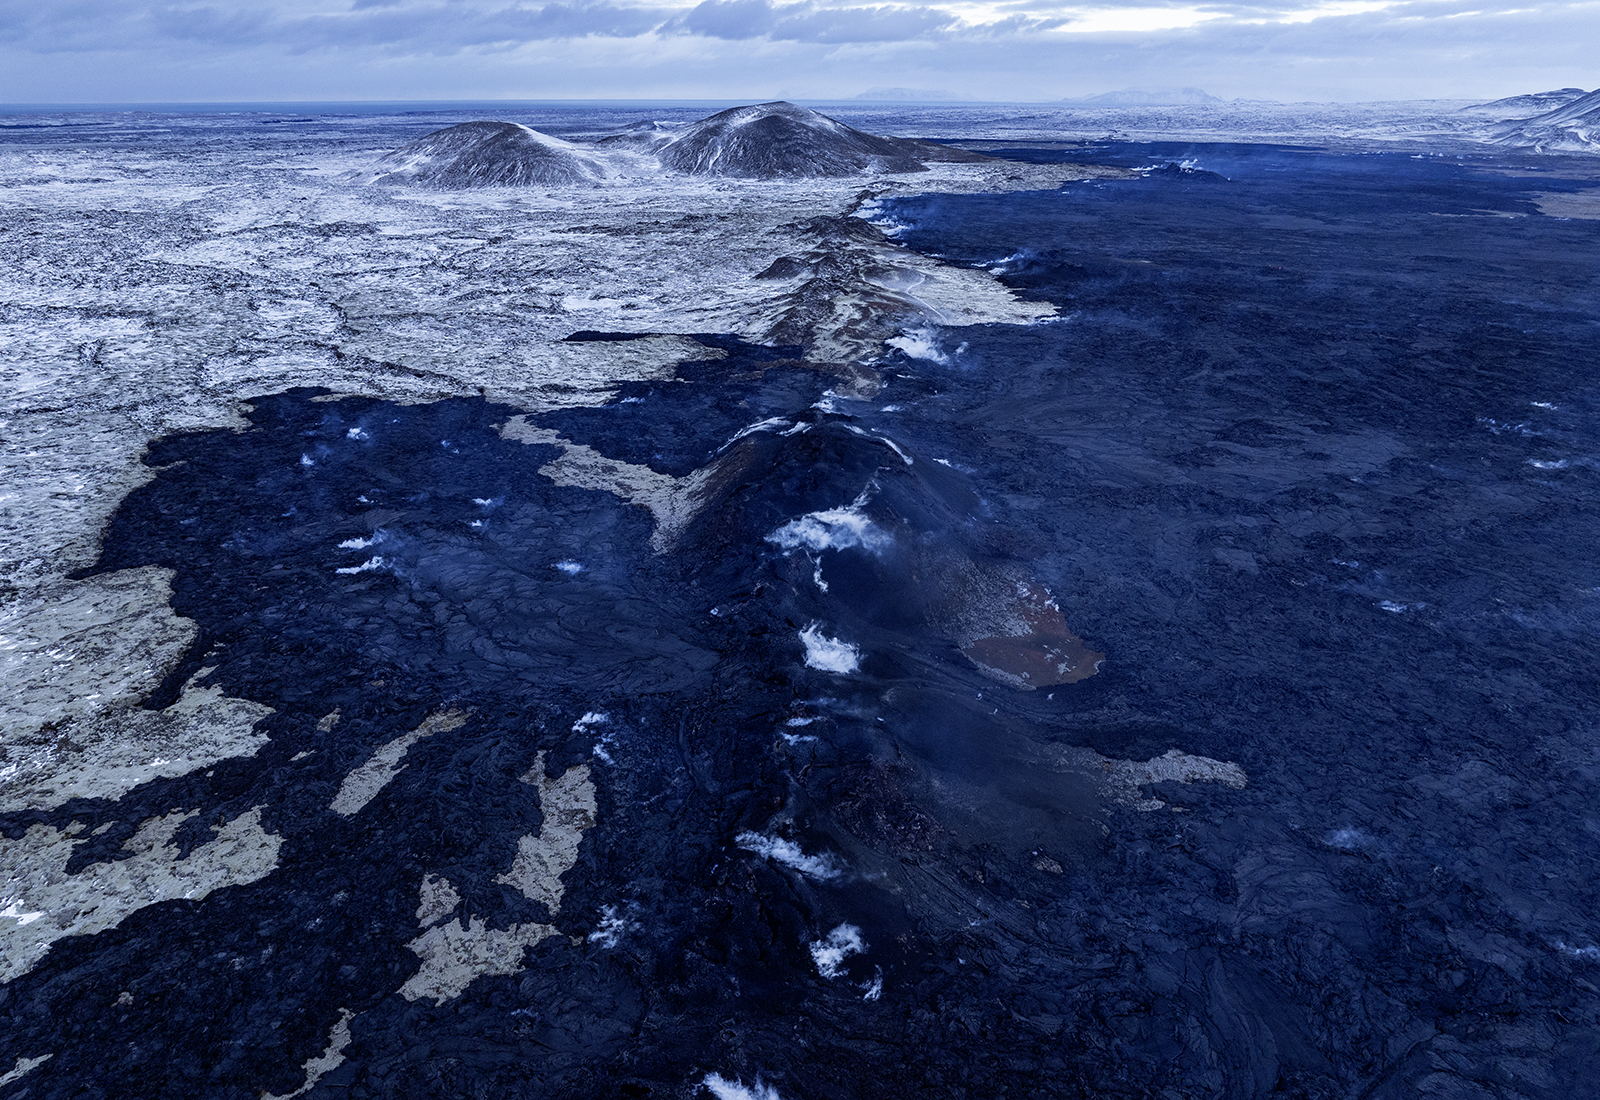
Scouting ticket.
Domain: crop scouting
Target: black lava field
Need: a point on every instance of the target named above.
(1312, 456)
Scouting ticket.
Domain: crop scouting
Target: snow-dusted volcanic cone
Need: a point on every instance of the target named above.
(768, 141)
(1574, 128)
(485, 154)
(775, 140)
(778, 141)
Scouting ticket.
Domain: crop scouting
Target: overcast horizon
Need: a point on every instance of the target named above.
(378, 106)
(1031, 51)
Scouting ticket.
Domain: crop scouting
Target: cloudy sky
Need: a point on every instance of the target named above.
(85, 51)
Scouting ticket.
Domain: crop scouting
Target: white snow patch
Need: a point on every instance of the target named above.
(367, 566)
(871, 991)
(798, 738)
(829, 401)
(1003, 264)
(356, 433)
(1391, 606)
(885, 440)
(873, 213)
(360, 543)
(724, 1089)
(598, 718)
(455, 954)
(824, 867)
(920, 344)
(102, 895)
(770, 424)
(829, 654)
(612, 927)
(570, 568)
(895, 447)
(834, 529)
(14, 911)
(1587, 954)
(332, 1057)
(438, 899)
(830, 953)
(363, 783)
(307, 460)
(23, 1067)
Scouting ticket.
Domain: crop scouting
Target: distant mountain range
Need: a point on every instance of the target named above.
(907, 95)
(1522, 106)
(1573, 127)
(1147, 97)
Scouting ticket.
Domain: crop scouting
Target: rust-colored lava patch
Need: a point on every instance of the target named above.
(1037, 650)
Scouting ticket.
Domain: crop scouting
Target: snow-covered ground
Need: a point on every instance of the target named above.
(1444, 125)
(152, 286)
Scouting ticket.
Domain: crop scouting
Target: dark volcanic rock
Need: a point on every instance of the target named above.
(485, 154)
(645, 136)
(780, 140)
(1313, 462)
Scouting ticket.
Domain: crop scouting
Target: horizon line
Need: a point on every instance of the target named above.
(246, 105)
